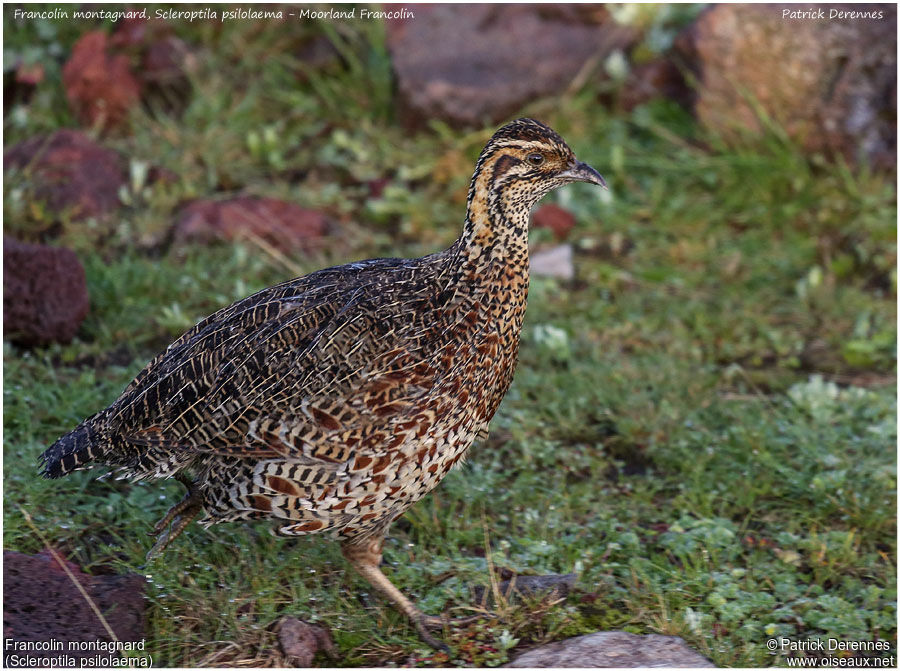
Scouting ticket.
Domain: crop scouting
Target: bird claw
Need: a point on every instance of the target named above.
(162, 541)
(158, 528)
(176, 520)
(422, 625)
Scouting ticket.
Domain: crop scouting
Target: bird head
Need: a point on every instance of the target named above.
(523, 161)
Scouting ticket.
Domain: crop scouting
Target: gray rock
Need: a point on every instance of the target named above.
(475, 64)
(616, 649)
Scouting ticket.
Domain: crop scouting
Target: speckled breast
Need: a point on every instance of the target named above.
(475, 373)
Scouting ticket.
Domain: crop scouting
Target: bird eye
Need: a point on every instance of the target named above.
(535, 159)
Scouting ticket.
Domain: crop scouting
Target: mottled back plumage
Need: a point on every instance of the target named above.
(334, 401)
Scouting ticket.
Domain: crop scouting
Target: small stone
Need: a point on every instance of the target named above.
(45, 295)
(554, 262)
(613, 649)
(277, 222)
(301, 641)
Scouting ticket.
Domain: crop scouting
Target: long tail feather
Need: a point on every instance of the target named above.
(74, 451)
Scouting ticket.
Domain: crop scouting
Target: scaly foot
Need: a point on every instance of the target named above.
(179, 515)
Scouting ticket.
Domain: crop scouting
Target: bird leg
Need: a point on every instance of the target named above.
(365, 555)
(180, 515)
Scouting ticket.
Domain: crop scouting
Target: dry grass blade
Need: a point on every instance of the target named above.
(273, 252)
(78, 585)
(502, 603)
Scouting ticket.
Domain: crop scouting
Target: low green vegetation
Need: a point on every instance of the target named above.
(702, 425)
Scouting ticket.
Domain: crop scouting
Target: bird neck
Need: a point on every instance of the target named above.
(494, 240)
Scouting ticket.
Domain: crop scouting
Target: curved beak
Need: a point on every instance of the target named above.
(582, 172)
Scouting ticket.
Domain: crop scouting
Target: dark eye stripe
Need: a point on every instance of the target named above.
(503, 164)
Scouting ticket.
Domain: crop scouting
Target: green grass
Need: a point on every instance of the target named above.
(702, 425)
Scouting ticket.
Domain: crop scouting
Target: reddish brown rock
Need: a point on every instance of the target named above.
(71, 172)
(555, 218)
(830, 83)
(41, 603)
(279, 223)
(476, 64)
(45, 295)
(99, 85)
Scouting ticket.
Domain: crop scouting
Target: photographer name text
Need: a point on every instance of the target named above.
(818, 13)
